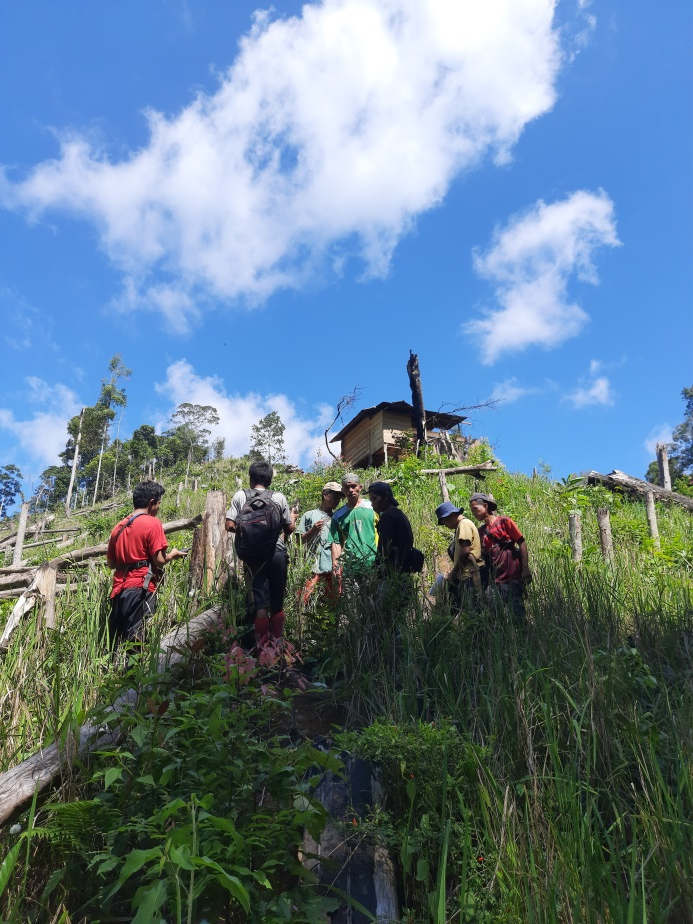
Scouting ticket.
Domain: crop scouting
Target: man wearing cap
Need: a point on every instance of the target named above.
(314, 532)
(505, 551)
(464, 579)
(352, 531)
(395, 537)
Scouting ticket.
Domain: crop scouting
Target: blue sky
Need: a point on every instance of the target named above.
(261, 210)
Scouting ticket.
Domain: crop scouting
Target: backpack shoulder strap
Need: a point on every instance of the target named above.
(125, 525)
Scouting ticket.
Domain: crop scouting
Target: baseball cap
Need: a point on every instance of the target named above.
(484, 499)
(384, 490)
(333, 486)
(445, 509)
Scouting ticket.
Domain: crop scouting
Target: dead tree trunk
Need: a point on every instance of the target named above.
(607, 543)
(663, 463)
(652, 518)
(575, 529)
(419, 413)
(21, 531)
(444, 493)
(75, 462)
(215, 538)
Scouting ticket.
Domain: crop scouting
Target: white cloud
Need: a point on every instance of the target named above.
(662, 433)
(302, 438)
(42, 436)
(593, 389)
(326, 138)
(530, 262)
(509, 391)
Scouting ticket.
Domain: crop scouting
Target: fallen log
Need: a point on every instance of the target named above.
(10, 538)
(478, 470)
(94, 551)
(619, 481)
(18, 785)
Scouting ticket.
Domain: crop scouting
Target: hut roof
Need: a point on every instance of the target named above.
(435, 420)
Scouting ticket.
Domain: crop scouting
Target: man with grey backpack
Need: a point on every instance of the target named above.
(262, 522)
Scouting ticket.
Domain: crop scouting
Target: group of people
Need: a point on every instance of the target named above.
(348, 537)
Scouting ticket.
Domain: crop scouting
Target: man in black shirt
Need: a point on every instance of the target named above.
(395, 538)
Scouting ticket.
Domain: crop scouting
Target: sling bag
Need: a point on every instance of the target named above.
(134, 565)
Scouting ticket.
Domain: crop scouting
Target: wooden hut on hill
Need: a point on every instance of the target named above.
(376, 434)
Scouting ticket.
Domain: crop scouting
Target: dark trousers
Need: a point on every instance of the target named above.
(266, 583)
(128, 612)
(510, 596)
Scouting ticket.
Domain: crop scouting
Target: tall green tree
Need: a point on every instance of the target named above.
(267, 439)
(191, 423)
(10, 488)
(682, 437)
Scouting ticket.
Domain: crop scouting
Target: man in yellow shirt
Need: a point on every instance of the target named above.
(464, 580)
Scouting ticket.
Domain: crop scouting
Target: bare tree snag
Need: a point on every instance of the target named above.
(46, 583)
(18, 785)
(605, 538)
(215, 539)
(444, 493)
(575, 529)
(98, 470)
(419, 413)
(663, 463)
(196, 560)
(21, 530)
(344, 404)
(652, 518)
(75, 462)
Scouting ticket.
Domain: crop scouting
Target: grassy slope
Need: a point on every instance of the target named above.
(567, 742)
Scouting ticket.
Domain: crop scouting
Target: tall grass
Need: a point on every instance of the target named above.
(568, 738)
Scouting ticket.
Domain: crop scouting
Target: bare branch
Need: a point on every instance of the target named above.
(344, 404)
(487, 405)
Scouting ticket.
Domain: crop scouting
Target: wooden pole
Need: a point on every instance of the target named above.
(21, 530)
(575, 529)
(652, 518)
(180, 488)
(605, 538)
(215, 537)
(418, 414)
(445, 494)
(663, 463)
(75, 462)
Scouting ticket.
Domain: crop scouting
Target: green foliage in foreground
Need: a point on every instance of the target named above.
(535, 772)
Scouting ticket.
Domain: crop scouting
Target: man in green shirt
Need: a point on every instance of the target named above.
(352, 531)
(314, 531)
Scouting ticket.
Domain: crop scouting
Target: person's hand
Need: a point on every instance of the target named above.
(176, 553)
(527, 576)
(317, 527)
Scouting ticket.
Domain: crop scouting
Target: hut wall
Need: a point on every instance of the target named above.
(364, 440)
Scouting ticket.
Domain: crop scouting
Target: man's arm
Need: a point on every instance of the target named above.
(162, 557)
(462, 557)
(230, 525)
(111, 563)
(336, 552)
(305, 538)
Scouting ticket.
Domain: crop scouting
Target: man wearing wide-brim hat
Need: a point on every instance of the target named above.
(314, 532)
(464, 578)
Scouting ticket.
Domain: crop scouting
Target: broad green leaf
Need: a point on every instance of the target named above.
(111, 775)
(8, 865)
(136, 859)
(232, 884)
(150, 900)
(181, 857)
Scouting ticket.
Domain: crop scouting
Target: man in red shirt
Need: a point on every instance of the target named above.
(137, 553)
(505, 550)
